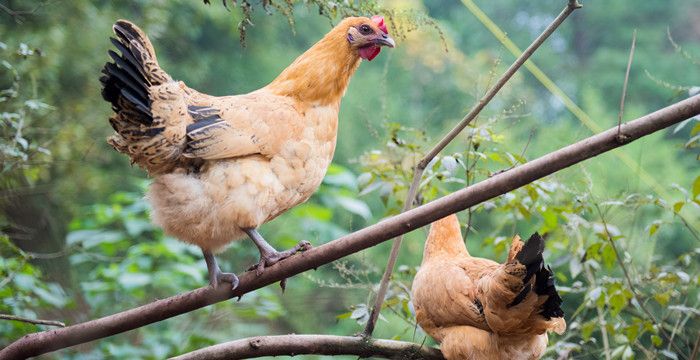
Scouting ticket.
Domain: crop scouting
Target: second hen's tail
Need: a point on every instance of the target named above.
(531, 256)
(146, 101)
(521, 295)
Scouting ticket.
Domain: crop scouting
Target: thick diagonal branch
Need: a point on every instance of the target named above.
(280, 345)
(46, 341)
(423, 163)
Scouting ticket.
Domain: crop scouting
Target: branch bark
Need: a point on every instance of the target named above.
(260, 346)
(43, 342)
(423, 163)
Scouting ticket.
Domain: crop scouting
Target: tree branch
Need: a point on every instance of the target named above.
(43, 342)
(423, 163)
(260, 346)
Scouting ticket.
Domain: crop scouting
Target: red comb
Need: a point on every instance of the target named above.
(379, 20)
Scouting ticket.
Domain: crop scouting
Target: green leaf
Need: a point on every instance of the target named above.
(662, 298)
(54, 295)
(669, 354)
(134, 280)
(550, 219)
(355, 206)
(343, 316)
(608, 254)
(654, 227)
(632, 332)
(587, 330)
(340, 177)
(677, 207)
(314, 211)
(136, 227)
(575, 267)
(617, 302)
(656, 340)
(92, 238)
(696, 186)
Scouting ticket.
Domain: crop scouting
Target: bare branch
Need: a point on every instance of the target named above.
(32, 321)
(420, 167)
(260, 346)
(627, 77)
(47, 341)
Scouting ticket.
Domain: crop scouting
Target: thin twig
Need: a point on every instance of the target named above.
(18, 14)
(522, 153)
(694, 355)
(624, 85)
(47, 341)
(601, 316)
(630, 284)
(421, 166)
(32, 321)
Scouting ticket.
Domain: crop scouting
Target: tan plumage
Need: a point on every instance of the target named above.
(225, 165)
(479, 309)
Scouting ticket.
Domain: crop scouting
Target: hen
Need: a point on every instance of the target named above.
(479, 309)
(223, 166)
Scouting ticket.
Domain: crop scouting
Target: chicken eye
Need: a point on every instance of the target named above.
(365, 29)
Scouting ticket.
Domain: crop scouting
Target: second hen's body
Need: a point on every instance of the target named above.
(479, 309)
(223, 166)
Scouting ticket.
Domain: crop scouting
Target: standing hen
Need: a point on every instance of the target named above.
(479, 309)
(223, 166)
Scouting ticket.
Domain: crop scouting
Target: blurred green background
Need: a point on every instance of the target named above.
(76, 239)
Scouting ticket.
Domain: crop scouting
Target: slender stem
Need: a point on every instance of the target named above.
(47, 341)
(601, 317)
(32, 321)
(694, 355)
(627, 76)
(423, 163)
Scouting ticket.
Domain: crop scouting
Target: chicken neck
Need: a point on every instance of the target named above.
(321, 75)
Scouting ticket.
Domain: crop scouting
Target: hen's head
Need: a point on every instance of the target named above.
(367, 36)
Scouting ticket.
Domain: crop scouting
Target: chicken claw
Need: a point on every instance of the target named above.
(216, 277)
(268, 255)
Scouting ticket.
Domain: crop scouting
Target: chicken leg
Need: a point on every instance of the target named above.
(216, 277)
(268, 255)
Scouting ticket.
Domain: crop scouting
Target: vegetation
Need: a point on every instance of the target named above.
(622, 229)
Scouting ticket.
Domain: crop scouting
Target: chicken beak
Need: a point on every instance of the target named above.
(384, 40)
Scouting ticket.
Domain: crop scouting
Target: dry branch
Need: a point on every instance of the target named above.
(260, 346)
(32, 321)
(423, 163)
(43, 342)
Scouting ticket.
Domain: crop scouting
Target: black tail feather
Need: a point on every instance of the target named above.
(124, 79)
(544, 285)
(531, 256)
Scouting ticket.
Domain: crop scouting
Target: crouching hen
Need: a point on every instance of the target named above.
(479, 309)
(223, 166)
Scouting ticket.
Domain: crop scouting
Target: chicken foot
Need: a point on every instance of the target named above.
(216, 277)
(268, 255)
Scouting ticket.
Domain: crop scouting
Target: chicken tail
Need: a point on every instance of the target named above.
(521, 297)
(531, 256)
(142, 96)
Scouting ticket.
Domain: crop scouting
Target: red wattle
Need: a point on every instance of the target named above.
(369, 52)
